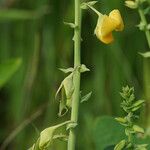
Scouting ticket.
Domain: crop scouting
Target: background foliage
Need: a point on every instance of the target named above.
(34, 42)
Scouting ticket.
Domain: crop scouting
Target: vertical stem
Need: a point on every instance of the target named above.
(75, 101)
(146, 71)
(143, 19)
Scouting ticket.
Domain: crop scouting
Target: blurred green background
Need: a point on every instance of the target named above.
(34, 43)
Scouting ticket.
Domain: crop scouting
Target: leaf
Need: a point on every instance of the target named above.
(106, 132)
(7, 69)
(145, 140)
(141, 147)
(71, 25)
(138, 103)
(145, 55)
(62, 108)
(85, 5)
(120, 145)
(135, 108)
(131, 4)
(138, 129)
(86, 97)
(121, 120)
(83, 68)
(67, 70)
(68, 86)
(71, 125)
(61, 137)
(148, 27)
(46, 136)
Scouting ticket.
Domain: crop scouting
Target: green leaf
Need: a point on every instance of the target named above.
(131, 4)
(141, 147)
(135, 108)
(71, 125)
(145, 140)
(86, 97)
(85, 5)
(138, 103)
(120, 145)
(71, 25)
(46, 136)
(106, 132)
(138, 129)
(62, 108)
(121, 120)
(7, 69)
(61, 136)
(145, 55)
(83, 68)
(68, 86)
(67, 70)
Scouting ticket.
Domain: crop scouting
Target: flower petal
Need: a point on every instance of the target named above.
(107, 25)
(115, 14)
(104, 29)
(107, 39)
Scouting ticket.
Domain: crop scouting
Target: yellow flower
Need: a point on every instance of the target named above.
(106, 24)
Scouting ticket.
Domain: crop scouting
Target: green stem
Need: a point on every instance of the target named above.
(143, 19)
(146, 67)
(75, 101)
(97, 12)
(146, 72)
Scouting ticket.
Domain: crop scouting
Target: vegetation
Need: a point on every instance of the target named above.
(43, 109)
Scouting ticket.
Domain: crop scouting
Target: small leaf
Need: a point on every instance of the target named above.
(141, 147)
(61, 137)
(68, 86)
(120, 145)
(131, 4)
(138, 103)
(71, 25)
(62, 108)
(141, 26)
(71, 125)
(92, 3)
(59, 89)
(121, 120)
(86, 97)
(138, 129)
(148, 27)
(135, 108)
(145, 55)
(67, 70)
(85, 5)
(46, 136)
(83, 68)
